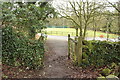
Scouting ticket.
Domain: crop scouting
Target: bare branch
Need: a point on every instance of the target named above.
(73, 6)
(68, 17)
(114, 5)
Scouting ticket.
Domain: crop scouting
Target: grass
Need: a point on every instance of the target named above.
(72, 31)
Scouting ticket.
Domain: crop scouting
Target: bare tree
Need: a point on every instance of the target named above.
(81, 14)
(117, 8)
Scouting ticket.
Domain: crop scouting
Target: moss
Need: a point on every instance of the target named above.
(105, 71)
(101, 78)
(112, 77)
(85, 61)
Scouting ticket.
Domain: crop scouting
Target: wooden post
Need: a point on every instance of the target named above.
(76, 49)
(68, 46)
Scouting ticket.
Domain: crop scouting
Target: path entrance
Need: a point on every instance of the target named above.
(56, 58)
(57, 64)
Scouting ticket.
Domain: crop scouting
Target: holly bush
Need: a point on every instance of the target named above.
(18, 50)
(100, 53)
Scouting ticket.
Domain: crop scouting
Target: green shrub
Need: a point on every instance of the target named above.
(18, 50)
(101, 53)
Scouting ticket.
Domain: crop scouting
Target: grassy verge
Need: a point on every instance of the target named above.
(72, 31)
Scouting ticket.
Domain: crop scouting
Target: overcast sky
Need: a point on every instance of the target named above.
(57, 3)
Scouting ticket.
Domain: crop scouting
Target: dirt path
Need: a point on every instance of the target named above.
(56, 59)
(57, 64)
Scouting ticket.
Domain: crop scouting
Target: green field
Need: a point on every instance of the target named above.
(72, 31)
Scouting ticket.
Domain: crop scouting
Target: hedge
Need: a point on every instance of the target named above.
(100, 53)
(18, 50)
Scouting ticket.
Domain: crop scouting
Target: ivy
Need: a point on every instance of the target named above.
(20, 23)
(18, 50)
(101, 53)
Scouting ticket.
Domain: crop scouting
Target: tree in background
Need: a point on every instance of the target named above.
(117, 8)
(109, 16)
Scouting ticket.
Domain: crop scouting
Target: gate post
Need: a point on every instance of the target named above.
(68, 46)
(76, 49)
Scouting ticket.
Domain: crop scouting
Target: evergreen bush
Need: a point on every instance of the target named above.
(18, 50)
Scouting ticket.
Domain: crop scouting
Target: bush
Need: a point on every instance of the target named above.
(101, 53)
(18, 50)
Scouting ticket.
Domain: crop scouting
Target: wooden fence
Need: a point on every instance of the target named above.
(72, 48)
(61, 33)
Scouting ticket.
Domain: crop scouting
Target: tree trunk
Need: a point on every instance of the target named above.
(79, 50)
(80, 39)
(76, 31)
(94, 31)
(107, 32)
(119, 22)
(107, 35)
(94, 34)
(84, 34)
